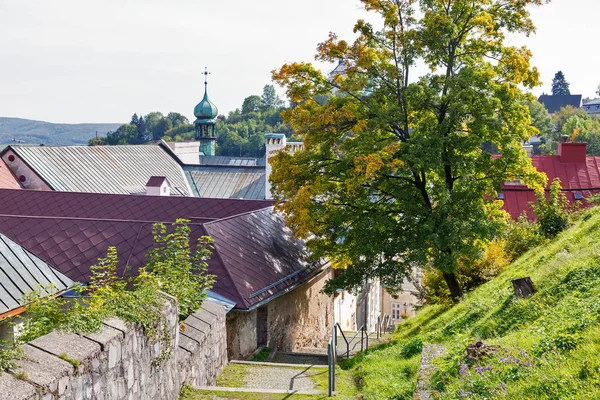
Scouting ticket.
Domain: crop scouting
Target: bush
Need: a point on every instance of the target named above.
(520, 236)
(553, 212)
(471, 273)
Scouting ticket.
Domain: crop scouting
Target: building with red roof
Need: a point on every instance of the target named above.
(579, 176)
(262, 271)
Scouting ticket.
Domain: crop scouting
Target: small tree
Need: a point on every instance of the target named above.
(177, 269)
(553, 212)
(560, 86)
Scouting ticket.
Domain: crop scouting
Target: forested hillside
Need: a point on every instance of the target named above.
(40, 132)
(241, 133)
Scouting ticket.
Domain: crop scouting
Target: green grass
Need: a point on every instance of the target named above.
(550, 342)
(262, 355)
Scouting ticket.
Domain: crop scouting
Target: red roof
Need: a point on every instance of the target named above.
(576, 178)
(7, 179)
(255, 256)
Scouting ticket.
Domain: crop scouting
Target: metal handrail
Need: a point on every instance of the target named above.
(337, 324)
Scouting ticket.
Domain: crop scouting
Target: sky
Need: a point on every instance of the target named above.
(75, 61)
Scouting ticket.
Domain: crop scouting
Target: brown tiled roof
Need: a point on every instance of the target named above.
(7, 179)
(255, 257)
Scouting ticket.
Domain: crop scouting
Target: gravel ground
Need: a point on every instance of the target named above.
(281, 378)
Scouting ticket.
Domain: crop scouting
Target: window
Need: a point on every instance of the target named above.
(396, 310)
(500, 196)
(578, 195)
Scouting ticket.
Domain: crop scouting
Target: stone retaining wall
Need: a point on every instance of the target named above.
(121, 363)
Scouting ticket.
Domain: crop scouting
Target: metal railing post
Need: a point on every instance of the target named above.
(329, 372)
(362, 340)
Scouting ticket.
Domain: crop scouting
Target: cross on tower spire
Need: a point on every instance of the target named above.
(205, 73)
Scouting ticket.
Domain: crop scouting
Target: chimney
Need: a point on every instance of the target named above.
(571, 152)
(274, 143)
(158, 186)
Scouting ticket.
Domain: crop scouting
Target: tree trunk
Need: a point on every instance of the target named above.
(454, 286)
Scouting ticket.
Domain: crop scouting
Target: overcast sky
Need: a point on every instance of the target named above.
(101, 61)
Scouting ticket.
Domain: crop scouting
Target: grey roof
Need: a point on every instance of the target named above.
(221, 182)
(103, 169)
(232, 161)
(22, 272)
(592, 107)
(555, 103)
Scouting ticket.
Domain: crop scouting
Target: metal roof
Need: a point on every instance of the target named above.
(22, 272)
(227, 182)
(575, 178)
(255, 256)
(555, 103)
(102, 169)
(233, 161)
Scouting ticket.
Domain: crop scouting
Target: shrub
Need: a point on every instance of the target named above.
(471, 273)
(520, 236)
(553, 212)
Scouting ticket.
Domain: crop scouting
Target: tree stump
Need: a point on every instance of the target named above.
(523, 287)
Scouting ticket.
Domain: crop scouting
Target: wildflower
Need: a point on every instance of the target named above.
(479, 370)
(463, 369)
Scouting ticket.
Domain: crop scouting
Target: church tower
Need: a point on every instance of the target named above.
(206, 113)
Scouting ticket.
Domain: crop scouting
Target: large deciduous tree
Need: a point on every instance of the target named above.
(560, 86)
(393, 173)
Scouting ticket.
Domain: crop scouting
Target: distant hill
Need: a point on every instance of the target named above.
(40, 132)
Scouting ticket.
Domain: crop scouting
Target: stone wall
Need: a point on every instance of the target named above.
(120, 362)
(303, 317)
(241, 333)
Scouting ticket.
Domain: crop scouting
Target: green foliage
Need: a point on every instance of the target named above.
(400, 160)
(560, 86)
(520, 236)
(575, 123)
(178, 270)
(553, 212)
(173, 267)
(9, 355)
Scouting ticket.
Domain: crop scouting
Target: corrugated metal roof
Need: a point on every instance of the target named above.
(102, 169)
(7, 179)
(233, 161)
(22, 272)
(574, 177)
(227, 182)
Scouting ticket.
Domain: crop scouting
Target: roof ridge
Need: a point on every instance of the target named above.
(236, 215)
(101, 219)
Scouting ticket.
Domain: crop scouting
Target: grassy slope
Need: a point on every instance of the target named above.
(550, 342)
(38, 132)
